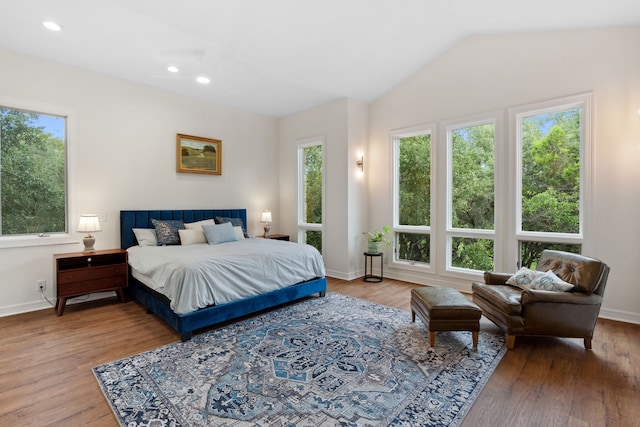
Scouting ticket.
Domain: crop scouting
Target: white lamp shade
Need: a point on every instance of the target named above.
(89, 224)
(266, 216)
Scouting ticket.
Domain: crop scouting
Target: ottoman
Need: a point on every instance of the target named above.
(445, 309)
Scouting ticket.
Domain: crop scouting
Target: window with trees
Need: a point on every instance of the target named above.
(33, 196)
(552, 142)
(502, 200)
(310, 193)
(471, 196)
(412, 196)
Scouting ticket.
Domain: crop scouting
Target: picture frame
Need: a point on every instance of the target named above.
(195, 154)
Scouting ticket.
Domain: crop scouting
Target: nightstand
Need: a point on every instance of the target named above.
(277, 237)
(80, 273)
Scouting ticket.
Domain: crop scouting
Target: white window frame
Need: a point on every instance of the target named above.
(27, 240)
(445, 181)
(585, 102)
(302, 225)
(394, 137)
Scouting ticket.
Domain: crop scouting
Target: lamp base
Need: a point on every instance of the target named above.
(89, 241)
(267, 231)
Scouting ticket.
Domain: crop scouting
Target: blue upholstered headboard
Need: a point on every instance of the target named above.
(142, 219)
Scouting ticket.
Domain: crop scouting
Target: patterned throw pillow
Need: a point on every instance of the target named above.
(524, 278)
(533, 279)
(549, 281)
(167, 231)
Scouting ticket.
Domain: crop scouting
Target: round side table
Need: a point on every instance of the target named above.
(368, 267)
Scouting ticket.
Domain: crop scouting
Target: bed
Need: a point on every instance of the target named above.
(187, 322)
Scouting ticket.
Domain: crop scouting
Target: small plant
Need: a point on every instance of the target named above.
(378, 236)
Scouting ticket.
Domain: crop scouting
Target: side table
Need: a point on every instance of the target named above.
(81, 273)
(368, 267)
(276, 237)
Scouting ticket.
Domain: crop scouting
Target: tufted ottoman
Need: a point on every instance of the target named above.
(445, 309)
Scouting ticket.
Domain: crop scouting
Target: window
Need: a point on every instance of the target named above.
(412, 196)
(491, 200)
(471, 196)
(552, 141)
(33, 199)
(310, 192)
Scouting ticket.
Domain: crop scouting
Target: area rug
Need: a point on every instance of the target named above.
(332, 361)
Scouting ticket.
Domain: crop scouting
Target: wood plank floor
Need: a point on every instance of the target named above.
(46, 361)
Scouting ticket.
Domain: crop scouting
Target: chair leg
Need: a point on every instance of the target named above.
(475, 339)
(511, 341)
(432, 338)
(587, 343)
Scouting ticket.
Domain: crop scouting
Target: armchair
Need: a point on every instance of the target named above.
(571, 314)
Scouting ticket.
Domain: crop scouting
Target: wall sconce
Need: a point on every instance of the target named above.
(360, 163)
(266, 218)
(89, 223)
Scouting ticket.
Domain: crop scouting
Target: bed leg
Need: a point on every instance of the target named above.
(322, 293)
(185, 336)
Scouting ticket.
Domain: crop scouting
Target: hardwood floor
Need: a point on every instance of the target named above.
(46, 361)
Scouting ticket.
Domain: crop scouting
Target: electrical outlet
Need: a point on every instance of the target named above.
(41, 285)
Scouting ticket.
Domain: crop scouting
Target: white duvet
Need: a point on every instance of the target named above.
(197, 276)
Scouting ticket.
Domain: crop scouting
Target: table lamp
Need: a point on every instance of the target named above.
(266, 218)
(89, 223)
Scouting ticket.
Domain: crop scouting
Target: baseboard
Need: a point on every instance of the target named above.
(620, 316)
(43, 305)
(24, 308)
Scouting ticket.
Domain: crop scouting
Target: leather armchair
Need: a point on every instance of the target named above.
(570, 314)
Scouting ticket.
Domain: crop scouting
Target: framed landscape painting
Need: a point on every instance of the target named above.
(195, 154)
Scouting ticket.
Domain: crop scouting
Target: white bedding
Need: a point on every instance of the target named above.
(197, 276)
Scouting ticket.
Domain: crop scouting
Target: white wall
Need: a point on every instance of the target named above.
(343, 125)
(486, 73)
(122, 139)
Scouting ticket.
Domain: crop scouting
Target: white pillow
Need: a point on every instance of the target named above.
(219, 233)
(191, 237)
(146, 236)
(239, 232)
(198, 224)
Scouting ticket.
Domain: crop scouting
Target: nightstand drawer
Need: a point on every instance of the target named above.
(75, 288)
(79, 275)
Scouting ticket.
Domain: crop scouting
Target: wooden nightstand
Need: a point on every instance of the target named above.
(277, 237)
(81, 273)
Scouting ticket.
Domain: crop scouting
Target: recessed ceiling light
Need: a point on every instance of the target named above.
(53, 26)
(203, 80)
(173, 69)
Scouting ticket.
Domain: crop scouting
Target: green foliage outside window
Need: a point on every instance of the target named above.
(32, 175)
(313, 193)
(551, 145)
(414, 173)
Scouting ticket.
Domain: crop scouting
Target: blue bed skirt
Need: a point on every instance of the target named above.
(185, 324)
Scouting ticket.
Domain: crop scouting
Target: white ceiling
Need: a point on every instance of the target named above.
(277, 57)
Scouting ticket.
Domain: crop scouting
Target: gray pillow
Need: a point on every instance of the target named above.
(167, 231)
(237, 222)
(219, 233)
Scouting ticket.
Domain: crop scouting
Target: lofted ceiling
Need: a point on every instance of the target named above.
(278, 57)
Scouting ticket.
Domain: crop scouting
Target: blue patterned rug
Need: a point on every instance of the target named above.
(333, 361)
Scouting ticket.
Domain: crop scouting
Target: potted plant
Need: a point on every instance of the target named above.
(375, 238)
